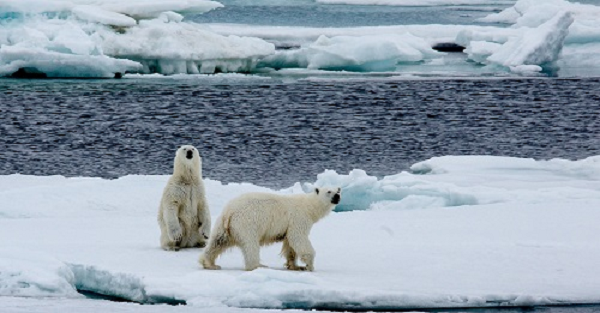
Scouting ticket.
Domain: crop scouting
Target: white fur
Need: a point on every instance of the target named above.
(183, 215)
(257, 219)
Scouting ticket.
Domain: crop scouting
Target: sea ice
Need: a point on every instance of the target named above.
(534, 19)
(85, 38)
(513, 224)
(354, 53)
(540, 46)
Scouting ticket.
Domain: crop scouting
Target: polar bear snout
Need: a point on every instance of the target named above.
(336, 198)
(189, 154)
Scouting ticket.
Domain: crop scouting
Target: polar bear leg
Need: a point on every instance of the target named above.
(204, 219)
(218, 243)
(290, 256)
(171, 219)
(300, 244)
(196, 240)
(165, 242)
(171, 232)
(251, 250)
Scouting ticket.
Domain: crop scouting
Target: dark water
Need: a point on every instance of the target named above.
(275, 134)
(319, 15)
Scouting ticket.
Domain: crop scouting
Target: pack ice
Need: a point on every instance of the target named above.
(87, 38)
(453, 231)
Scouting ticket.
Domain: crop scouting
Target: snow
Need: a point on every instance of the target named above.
(99, 15)
(86, 38)
(539, 46)
(100, 38)
(455, 231)
(355, 53)
(540, 31)
(56, 64)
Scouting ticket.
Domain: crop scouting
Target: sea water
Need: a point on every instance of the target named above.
(275, 133)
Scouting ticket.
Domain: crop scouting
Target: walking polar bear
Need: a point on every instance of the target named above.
(256, 219)
(183, 214)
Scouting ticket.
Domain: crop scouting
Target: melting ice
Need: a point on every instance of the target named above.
(85, 38)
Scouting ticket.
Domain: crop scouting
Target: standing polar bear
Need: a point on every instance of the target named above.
(183, 215)
(257, 219)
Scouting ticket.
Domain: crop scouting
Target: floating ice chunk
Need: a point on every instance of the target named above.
(497, 35)
(170, 16)
(526, 69)
(343, 53)
(527, 14)
(95, 14)
(145, 9)
(539, 46)
(76, 42)
(364, 53)
(56, 64)
(175, 48)
(360, 191)
(479, 51)
(138, 9)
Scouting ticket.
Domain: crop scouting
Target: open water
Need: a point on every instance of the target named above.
(274, 134)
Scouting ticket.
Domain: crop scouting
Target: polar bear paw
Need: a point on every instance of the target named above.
(208, 265)
(175, 234)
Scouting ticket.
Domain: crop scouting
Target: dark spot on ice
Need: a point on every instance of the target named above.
(448, 47)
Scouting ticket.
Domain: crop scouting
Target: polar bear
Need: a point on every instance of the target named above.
(257, 219)
(183, 215)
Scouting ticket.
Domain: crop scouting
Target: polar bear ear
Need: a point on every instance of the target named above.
(317, 190)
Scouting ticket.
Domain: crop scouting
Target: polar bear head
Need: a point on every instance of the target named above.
(330, 195)
(187, 157)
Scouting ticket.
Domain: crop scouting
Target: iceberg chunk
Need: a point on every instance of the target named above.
(361, 191)
(360, 53)
(99, 15)
(56, 64)
(179, 48)
(479, 51)
(539, 46)
(88, 38)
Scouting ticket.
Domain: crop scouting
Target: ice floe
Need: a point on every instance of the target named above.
(355, 53)
(104, 38)
(455, 231)
(539, 31)
(81, 38)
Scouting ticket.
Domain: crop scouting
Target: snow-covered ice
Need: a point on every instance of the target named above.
(85, 38)
(355, 53)
(539, 31)
(99, 38)
(456, 231)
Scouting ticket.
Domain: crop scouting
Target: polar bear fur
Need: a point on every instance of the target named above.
(183, 215)
(256, 219)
